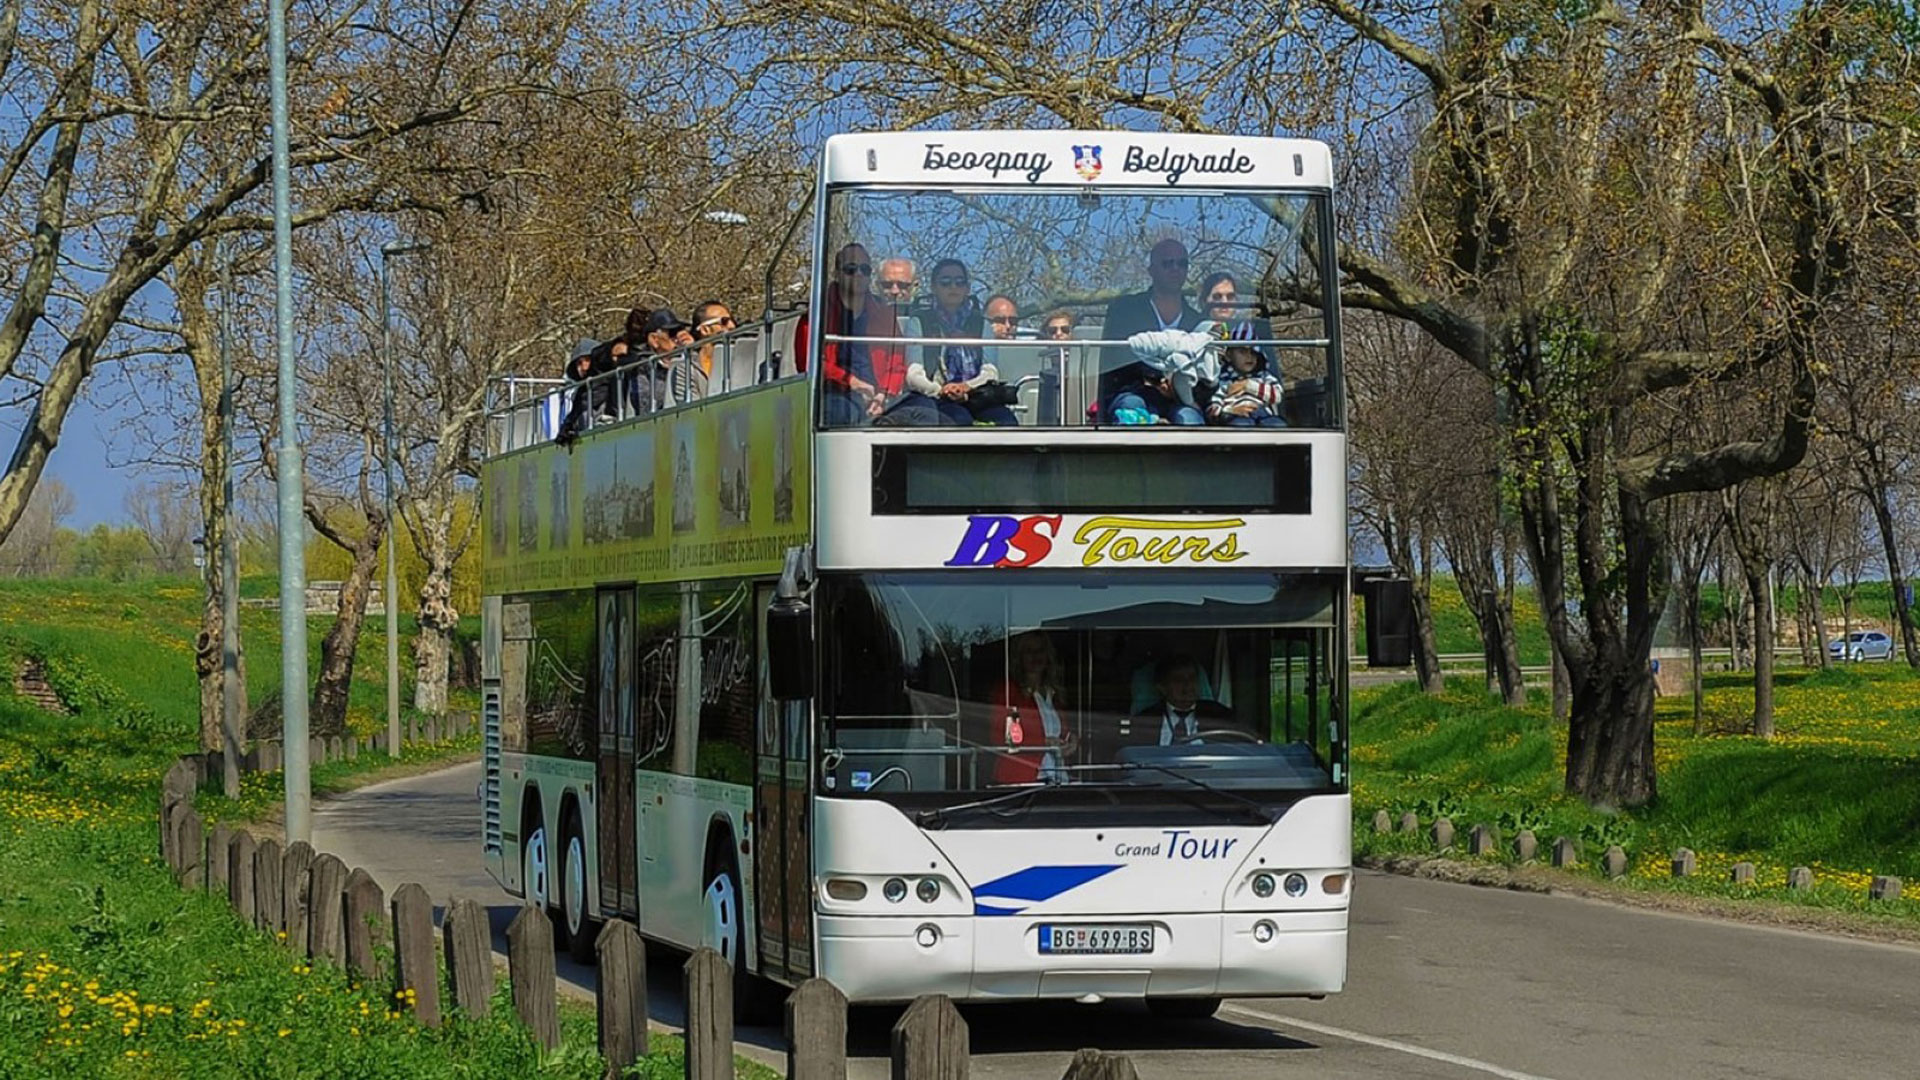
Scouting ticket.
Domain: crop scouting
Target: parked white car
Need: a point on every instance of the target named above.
(1862, 645)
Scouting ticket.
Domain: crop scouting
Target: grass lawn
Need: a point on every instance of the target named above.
(107, 969)
(1837, 790)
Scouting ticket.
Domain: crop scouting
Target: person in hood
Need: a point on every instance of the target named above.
(1249, 392)
(949, 374)
(588, 401)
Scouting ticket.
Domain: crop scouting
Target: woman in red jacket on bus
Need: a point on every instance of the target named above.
(1027, 713)
(866, 381)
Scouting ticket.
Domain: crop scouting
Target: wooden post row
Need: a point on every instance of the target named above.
(364, 923)
(530, 970)
(413, 951)
(816, 1032)
(469, 949)
(326, 926)
(709, 1016)
(930, 1041)
(620, 999)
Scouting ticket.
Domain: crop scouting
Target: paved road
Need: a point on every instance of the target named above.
(1448, 982)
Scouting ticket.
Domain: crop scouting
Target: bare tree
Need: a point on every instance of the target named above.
(33, 548)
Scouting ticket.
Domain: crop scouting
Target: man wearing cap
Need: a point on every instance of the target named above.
(674, 373)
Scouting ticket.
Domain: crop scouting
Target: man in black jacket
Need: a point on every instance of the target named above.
(1181, 714)
(1162, 307)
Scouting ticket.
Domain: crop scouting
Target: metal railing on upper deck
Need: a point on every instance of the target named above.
(1060, 382)
(525, 411)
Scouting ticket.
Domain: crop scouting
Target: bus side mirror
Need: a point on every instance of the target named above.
(789, 649)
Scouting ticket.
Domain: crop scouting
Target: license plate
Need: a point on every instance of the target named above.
(1119, 938)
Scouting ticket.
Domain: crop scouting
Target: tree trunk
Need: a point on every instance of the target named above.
(1762, 652)
(329, 709)
(1610, 734)
(1897, 578)
(201, 338)
(1426, 649)
(1818, 590)
(1690, 596)
(433, 644)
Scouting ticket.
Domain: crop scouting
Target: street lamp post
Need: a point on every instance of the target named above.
(388, 252)
(293, 548)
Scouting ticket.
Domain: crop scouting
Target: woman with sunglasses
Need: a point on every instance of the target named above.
(866, 381)
(949, 374)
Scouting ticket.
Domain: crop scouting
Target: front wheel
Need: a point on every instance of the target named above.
(753, 999)
(583, 933)
(1201, 1008)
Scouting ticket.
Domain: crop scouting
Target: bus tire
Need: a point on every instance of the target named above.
(582, 930)
(1184, 1008)
(753, 999)
(536, 869)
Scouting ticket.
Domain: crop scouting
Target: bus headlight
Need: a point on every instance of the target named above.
(1263, 885)
(928, 890)
(1296, 885)
(895, 890)
(846, 889)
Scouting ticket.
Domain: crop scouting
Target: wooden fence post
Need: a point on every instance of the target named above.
(191, 848)
(930, 1041)
(709, 1016)
(326, 927)
(363, 920)
(240, 876)
(468, 943)
(621, 996)
(816, 1032)
(413, 951)
(219, 844)
(353, 748)
(267, 868)
(530, 973)
(296, 883)
(336, 748)
(316, 751)
(1100, 1065)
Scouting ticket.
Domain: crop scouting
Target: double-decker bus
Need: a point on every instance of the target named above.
(981, 635)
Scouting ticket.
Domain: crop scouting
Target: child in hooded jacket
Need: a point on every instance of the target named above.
(1249, 392)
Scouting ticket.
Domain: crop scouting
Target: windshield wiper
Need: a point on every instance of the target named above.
(936, 818)
(1250, 806)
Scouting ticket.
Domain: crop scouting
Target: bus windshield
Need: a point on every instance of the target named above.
(999, 306)
(941, 687)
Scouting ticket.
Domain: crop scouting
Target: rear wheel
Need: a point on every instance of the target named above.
(536, 872)
(582, 931)
(1201, 1008)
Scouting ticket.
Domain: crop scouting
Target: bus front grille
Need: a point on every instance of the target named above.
(490, 764)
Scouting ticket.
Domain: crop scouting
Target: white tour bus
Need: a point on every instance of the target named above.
(995, 642)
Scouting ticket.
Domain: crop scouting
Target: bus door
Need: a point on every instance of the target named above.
(782, 854)
(613, 769)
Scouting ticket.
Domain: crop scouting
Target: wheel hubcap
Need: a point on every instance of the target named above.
(576, 884)
(723, 918)
(535, 878)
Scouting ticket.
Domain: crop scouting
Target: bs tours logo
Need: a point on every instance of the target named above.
(1011, 542)
(1086, 161)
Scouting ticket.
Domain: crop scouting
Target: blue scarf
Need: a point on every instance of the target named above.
(961, 362)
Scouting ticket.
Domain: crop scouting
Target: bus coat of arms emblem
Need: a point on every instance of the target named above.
(1086, 161)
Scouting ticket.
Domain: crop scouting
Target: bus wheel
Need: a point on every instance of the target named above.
(1183, 1008)
(536, 874)
(582, 932)
(754, 1001)
(724, 932)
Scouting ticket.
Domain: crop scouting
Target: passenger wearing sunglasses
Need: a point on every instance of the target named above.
(1226, 306)
(1163, 306)
(950, 374)
(865, 380)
